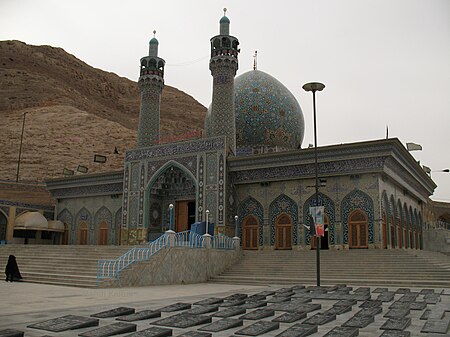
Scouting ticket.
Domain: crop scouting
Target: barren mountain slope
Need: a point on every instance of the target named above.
(73, 112)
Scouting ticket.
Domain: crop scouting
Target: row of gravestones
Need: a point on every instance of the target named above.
(294, 302)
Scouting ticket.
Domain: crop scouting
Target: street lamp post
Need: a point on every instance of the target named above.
(315, 86)
(20, 148)
(171, 216)
(236, 225)
(207, 218)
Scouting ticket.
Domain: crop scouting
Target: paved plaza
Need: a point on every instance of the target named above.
(211, 309)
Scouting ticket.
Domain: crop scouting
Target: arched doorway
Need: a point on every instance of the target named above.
(283, 232)
(65, 235)
(3, 224)
(384, 230)
(324, 240)
(103, 233)
(250, 233)
(392, 231)
(83, 233)
(358, 229)
(399, 232)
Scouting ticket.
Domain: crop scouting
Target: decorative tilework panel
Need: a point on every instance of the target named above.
(149, 116)
(221, 206)
(134, 210)
(201, 189)
(190, 163)
(357, 199)
(330, 211)
(283, 204)
(66, 217)
(84, 215)
(103, 215)
(115, 230)
(141, 196)
(251, 206)
(126, 179)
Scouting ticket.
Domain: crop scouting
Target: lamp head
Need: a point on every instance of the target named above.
(313, 86)
(170, 206)
(236, 217)
(207, 211)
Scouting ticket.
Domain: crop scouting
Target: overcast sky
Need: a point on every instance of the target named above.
(384, 62)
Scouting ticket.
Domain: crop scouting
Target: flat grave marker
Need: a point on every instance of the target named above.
(403, 290)
(400, 305)
(432, 298)
(256, 297)
(425, 315)
(154, 331)
(253, 304)
(235, 297)
(278, 299)
(223, 324)
(359, 321)
(110, 330)
(295, 306)
(426, 291)
(369, 311)
(410, 297)
(202, 309)
(387, 296)
(266, 293)
(68, 322)
(339, 309)
(397, 313)
(175, 307)
(371, 304)
(139, 316)
(120, 311)
(420, 305)
(11, 333)
(258, 314)
(380, 290)
(258, 328)
(290, 317)
(320, 318)
(195, 334)
(183, 320)
(436, 325)
(299, 330)
(342, 331)
(345, 303)
(229, 312)
(209, 301)
(396, 323)
(395, 333)
(232, 303)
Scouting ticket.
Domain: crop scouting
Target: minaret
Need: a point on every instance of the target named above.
(151, 84)
(223, 65)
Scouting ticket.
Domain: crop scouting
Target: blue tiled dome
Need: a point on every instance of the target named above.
(267, 114)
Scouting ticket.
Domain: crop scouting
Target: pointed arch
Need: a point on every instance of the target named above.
(84, 218)
(392, 222)
(67, 218)
(330, 211)
(407, 226)
(167, 166)
(251, 206)
(283, 232)
(103, 217)
(400, 224)
(250, 232)
(357, 199)
(283, 204)
(385, 216)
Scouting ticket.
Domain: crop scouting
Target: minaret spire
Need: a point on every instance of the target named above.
(255, 60)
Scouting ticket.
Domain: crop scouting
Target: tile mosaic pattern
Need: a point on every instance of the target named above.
(267, 114)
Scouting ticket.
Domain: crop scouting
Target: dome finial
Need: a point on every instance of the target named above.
(154, 33)
(225, 11)
(255, 60)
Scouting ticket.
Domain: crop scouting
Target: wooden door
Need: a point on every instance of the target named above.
(283, 233)
(358, 230)
(392, 232)
(83, 234)
(405, 235)
(250, 233)
(384, 230)
(182, 216)
(65, 235)
(103, 233)
(411, 239)
(399, 232)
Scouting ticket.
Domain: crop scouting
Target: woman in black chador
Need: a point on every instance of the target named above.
(12, 270)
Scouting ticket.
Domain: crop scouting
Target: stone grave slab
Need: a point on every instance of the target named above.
(256, 297)
(139, 316)
(425, 315)
(361, 297)
(432, 298)
(154, 331)
(299, 330)
(223, 324)
(371, 304)
(343, 290)
(342, 331)
(235, 297)
(420, 305)
(266, 293)
(339, 309)
(396, 323)
(175, 307)
(232, 303)
(203, 309)
(195, 334)
(411, 297)
(183, 320)
(359, 321)
(258, 314)
(387, 296)
(320, 318)
(380, 290)
(290, 317)
(436, 325)
(395, 333)
(426, 291)
(120, 311)
(284, 290)
(363, 290)
(403, 290)
(110, 330)
(295, 306)
(253, 304)
(369, 311)
(258, 328)
(209, 301)
(301, 297)
(298, 287)
(397, 313)
(68, 322)
(278, 299)
(229, 312)
(345, 303)
(400, 305)
(11, 333)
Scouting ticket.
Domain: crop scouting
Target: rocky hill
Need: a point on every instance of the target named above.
(73, 111)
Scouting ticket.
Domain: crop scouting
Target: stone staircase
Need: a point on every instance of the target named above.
(358, 267)
(59, 265)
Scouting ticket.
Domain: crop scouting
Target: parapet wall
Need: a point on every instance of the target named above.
(176, 265)
(436, 240)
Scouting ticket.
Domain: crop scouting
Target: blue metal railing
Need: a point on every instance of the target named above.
(112, 268)
(188, 239)
(221, 241)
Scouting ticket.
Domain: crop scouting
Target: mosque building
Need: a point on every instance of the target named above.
(248, 174)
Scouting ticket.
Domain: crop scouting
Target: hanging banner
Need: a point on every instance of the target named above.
(317, 213)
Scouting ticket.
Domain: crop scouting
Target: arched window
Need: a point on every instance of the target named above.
(358, 229)
(103, 233)
(250, 233)
(283, 232)
(226, 43)
(216, 44)
(83, 233)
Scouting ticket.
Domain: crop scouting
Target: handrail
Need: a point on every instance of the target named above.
(188, 239)
(221, 241)
(112, 268)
